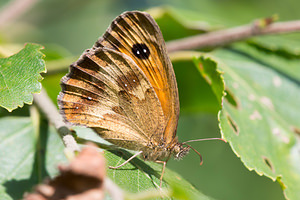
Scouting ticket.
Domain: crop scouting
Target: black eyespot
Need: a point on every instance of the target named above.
(141, 51)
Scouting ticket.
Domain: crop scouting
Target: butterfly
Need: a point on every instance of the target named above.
(125, 89)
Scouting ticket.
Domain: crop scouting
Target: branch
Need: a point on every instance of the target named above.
(49, 109)
(115, 192)
(14, 9)
(223, 37)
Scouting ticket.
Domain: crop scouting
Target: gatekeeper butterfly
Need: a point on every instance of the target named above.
(124, 88)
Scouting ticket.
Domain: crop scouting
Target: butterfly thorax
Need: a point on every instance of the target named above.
(164, 151)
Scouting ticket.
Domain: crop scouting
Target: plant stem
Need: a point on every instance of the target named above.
(226, 36)
(50, 110)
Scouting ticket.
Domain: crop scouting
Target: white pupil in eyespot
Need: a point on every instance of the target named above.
(141, 51)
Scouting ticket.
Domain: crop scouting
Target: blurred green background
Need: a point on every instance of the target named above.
(69, 27)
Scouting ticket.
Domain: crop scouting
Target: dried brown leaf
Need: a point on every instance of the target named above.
(81, 179)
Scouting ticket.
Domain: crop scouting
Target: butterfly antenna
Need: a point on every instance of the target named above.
(199, 154)
(205, 139)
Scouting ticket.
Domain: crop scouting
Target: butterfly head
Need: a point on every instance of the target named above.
(180, 151)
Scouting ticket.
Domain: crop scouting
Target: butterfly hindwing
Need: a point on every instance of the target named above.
(106, 90)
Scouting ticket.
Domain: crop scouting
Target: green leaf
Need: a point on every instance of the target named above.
(195, 94)
(20, 77)
(52, 86)
(287, 64)
(24, 162)
(209, 71)
(3, 194)
(169, 23)
(55, 52)
(262, 125)
(54, 150)
(287, 45)
(138, 175)
(16, 158)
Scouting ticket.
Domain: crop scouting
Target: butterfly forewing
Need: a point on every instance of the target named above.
(137, 35)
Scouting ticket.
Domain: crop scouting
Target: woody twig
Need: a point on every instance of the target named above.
(49, 109)
(223, 37)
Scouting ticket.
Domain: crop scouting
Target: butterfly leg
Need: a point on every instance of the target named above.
(127, 161)
(162, 172)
